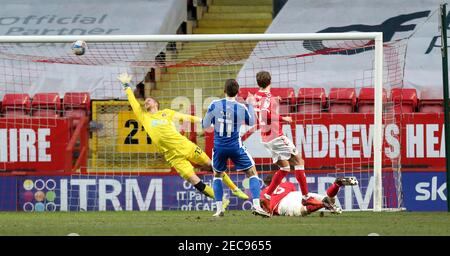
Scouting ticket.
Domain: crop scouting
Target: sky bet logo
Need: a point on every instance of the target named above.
(431, 191)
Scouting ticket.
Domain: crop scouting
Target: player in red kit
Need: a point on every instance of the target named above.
(283, 151)
(287, 201)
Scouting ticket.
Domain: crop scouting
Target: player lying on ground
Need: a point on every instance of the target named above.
(227, 116)
(178, 151)
(282, 149)
(287, 201)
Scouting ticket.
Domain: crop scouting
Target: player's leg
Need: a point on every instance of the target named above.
(218, 192)
(186, 171)
(219, 166)
(299, 168)
(199, 157)
(244, 162)
(281, 150)
(278, 176)
(338, 183)
(255, 189)
(329, 200)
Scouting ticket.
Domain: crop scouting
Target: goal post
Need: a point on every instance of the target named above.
(366, 41)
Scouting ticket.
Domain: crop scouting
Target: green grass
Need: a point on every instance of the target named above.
(234, 223)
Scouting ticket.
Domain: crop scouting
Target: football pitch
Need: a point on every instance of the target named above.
(242, 223)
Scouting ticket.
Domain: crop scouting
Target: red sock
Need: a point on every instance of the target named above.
(301, 178)
(313, 208)
(276, 180)
(333, 190)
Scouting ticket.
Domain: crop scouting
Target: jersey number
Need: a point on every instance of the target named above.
(225, 123)
(279, 190)
(129, 139)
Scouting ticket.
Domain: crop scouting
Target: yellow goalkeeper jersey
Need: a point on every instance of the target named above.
(161, 128)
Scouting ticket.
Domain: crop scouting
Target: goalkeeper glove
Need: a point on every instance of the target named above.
(125, 79)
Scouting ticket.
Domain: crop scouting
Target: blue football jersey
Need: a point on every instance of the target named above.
(227, 116)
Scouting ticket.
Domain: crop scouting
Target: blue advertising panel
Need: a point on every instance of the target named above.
(422, 191)
(143, 193)
(8, 193)
(425, 191)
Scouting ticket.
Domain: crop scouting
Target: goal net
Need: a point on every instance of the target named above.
(330, 84)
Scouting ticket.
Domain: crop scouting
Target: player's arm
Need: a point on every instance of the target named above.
(183, 117)
(208, 120)
(125, 79)
(250, 115)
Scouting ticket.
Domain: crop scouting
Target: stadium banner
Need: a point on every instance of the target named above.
(425, 191)
(144, 193)
(403, 22)
(344, 140)
(422, 191)
(81, 17)
(34, 144)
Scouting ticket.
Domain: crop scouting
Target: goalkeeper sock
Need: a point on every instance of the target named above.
(301, 178)
(333, 190)
(205, 189)
(230, 184)
(218, 192)
(277, 178)
(255, 189)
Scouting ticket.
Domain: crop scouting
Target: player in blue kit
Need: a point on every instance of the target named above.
(227, 116)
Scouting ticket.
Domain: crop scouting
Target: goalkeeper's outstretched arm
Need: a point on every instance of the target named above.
(125, 79)
(184, 117)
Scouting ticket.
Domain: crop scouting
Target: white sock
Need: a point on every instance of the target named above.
(219, 206)
(256, 202)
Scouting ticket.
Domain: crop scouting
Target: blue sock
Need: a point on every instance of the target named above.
(218, 189)
(255, 187)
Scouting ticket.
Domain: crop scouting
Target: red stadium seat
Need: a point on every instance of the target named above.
(243, 92)
(16, 105)
(405, 100)
(431, 101)
(76, 104)
(286, 96)
(311, 100)
(46, 105)
(342, 100)
(366, 99)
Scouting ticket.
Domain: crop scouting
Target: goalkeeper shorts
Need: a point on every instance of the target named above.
(182, 163)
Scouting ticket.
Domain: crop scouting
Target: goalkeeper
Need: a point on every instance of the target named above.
(178, 151)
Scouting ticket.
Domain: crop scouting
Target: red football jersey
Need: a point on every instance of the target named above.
(269, 120)
(280, 192)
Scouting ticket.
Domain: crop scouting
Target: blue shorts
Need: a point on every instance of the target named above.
(240, 157)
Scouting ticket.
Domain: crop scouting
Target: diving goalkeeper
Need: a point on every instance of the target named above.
(178, 151)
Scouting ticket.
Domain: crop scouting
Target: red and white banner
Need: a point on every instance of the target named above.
(34, 144)
(346, 141)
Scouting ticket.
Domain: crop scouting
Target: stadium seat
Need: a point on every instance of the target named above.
(342, 100)
(405, 100)
(16, 105)
(76, 104)
(46, 105)
(431, 101)
(243, 92)
(286, 96)
(365, 103)
(311, 100)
